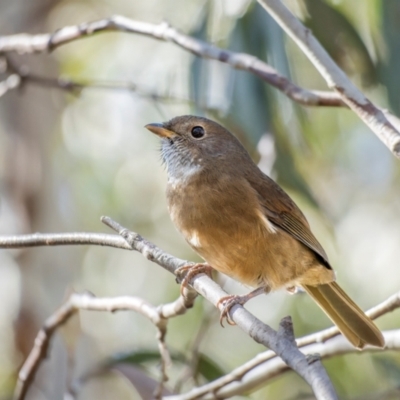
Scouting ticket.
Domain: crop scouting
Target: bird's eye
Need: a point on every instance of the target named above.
(197, 132)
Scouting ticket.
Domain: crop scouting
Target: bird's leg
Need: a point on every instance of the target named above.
(233, 299)
(192, 270)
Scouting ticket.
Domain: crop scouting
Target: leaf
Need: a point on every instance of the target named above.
(208, 368)
(139, 357)
(254, 102)
(340, 39)
(143, 383)
(390, 67)
(389, 368)
(198, 70)
(250, 101)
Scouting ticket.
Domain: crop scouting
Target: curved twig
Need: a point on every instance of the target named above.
(24, 43)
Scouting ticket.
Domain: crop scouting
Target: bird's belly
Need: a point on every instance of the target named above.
(272, 259)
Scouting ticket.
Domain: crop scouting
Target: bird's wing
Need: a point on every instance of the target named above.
(282, 211)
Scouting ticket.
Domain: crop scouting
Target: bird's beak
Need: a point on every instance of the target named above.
(159, 130)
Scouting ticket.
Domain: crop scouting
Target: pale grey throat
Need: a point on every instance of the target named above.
(178, 159)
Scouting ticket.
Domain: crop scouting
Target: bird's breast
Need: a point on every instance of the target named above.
(223, 222)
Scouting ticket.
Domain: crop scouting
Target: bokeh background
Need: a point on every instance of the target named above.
(68, 158)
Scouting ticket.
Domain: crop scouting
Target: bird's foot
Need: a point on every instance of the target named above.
(186, 273)
(228, 302)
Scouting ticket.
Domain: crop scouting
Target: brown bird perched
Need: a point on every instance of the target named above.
(244, 225)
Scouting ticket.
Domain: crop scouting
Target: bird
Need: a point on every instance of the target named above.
(244, 225)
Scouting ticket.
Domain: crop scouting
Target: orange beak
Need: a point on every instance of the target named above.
(159, 130)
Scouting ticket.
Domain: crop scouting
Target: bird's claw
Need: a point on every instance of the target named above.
(233, 299)
(191, 271)
(227, 303)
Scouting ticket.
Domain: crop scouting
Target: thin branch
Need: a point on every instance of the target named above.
(336, 79)
(39, 351)
(179, 306)
(20, 75)
(280, 342)
(387, 129)
(244, 379)
(389, 305)
(24, 43)
(62, 239)
(193, 350)
(87, 301)
(13, 81)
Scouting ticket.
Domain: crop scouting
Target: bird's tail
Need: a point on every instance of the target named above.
(348, 317)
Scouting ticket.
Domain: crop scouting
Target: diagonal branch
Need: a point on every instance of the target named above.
(24, 43)
(281, 342)
(250, 374)
(265, 366)
(381, 122)
(248, 377)
(336, 79)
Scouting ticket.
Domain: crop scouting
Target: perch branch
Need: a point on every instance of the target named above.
(280, 342)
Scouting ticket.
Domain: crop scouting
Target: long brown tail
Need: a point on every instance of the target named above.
(348, 317)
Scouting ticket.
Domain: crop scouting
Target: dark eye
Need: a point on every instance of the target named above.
(197, 132)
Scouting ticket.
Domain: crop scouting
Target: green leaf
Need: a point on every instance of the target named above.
(390, 368)
(144, 384)
(389, 67)
(207, 368)
(340, 39)
(139, 357)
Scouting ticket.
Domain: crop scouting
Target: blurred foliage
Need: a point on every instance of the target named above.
(389, 64)
(97, 159)
(204, 367)
(340, 39)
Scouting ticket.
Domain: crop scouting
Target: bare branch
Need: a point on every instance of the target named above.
(246, 378)
(87, 301)
(336, 79)
(387, 129)
(39, 351)
(261, 368)
(20, 75)
(24, 43)
(130, 240)
(62, 239)
(389, 305)
(280, 342)
(11, 82)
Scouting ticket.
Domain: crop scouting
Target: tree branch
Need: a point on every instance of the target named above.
(262, 367)
(157, 315)
(20, 75)
(280, 342)
(247, 377)
(336, 79)
(129, 240)
(24, 43)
